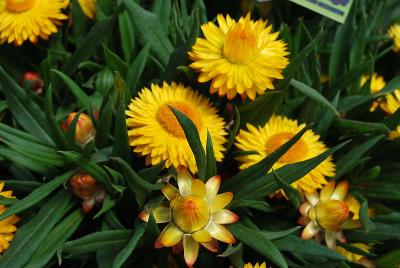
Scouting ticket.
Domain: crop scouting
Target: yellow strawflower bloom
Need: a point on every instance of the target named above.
(267, 139)
(22, 20)
(195, 215)
(377, 84)
(155, 132)
(7, 226)
(326, 214)
(239, 57)
(394, 33)
(390, 106)
(88, 8)
(249, 265)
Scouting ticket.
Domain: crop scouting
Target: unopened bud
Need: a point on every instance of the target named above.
(84, 131)
(330, 215)
(87, 188)
(33, 78)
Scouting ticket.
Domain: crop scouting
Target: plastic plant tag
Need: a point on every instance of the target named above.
(334, 9)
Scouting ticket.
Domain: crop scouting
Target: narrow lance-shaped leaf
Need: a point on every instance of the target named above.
(193, 138)
(211, 162)
(36, 195)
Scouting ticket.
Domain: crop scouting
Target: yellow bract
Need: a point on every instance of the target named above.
(88, 7)
(376, 85)
(326, 214)
(155, 132)
(278, 130)
(22, 20)
(249, 265)
(394, 33)
(7, 226)
(194, 215)
(242, 57)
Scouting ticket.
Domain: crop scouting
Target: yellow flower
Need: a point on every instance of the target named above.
(155, 132)
(21, 20)
(392, 102)
(88, 8)
(278, 130)
(377, 84)
(395, 134)
(353, 257)
(7, 226)
(249, 265)
(241, 57)
(194, 215)
(327, 213)
(394, 33)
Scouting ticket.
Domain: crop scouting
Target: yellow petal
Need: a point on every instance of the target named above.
(212, 186)
(198, 188)
(340, 191)
(224, 216)
(171, 236)
(161, 215)
(202, 236)
(311, 230)
(184, 181)
(169, 191)
(211, 246)
(312, 198)
(220, 233)
(327, 191)
(220, 201)
(190, 250)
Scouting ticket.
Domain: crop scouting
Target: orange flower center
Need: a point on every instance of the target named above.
(240, 44)
(190, 213)
(17, 6)
(169, 122)
(294, 154)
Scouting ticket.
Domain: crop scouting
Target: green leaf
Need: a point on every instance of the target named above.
(260, 110)
(295, 244)
(382, 232)
(108, 204)
(258, 242)
(261, 168)
(127, 35)
(313, 94)
(104, 123)
(231, 250)
(98, 241)
(278, 234)
(33, 235)
(361, 127)
(390, 259)
(255, 204)
(61, 232)
(350, 160)
(136, 69)
(25, 111)
(25, 161)
(58, 135)
(193, 138)
(211, 168)
(140, 187)
(368, 225)
(234, 131)
(120, 259)
(36, 195)
(150, 174)
(114, 62)
(289, 173)
(23, 185)
(83, 100)
(96, 36)
(150, 31)
(121, 148)
(294, 196)
(7, 201)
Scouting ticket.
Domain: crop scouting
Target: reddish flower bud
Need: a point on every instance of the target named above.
(85, 130)
(87, 188)
(34, 78)
(84, 186)
(330, 214)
